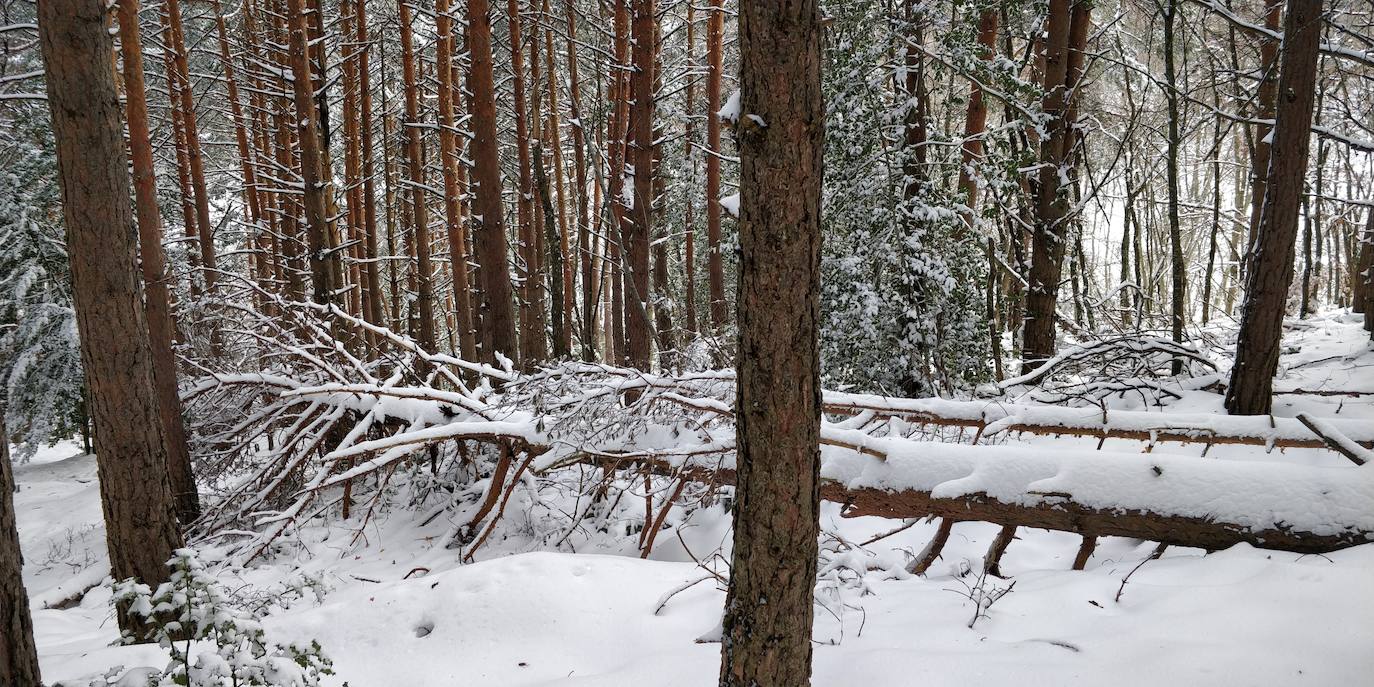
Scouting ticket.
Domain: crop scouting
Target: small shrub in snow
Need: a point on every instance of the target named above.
(212, 642)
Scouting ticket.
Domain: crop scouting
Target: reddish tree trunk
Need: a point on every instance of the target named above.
(154, 263)
(489, 236)
(140, 525)
(715, 266)
(187, 106)
(420, 242)
(641, 153)
(768, 610)
(448, 137)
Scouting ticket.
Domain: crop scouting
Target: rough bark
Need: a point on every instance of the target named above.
(1261, 144)
(140, 524)
(489, 234)
(1062, 65)
(1261, 323)
(156, 300)
(18, 655)
(768, 609)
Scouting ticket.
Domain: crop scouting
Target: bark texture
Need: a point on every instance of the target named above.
(1061, 68)
(140, 526)
(18, 656)
(1271, 262)
(489, 233)
(154, 263)
(768, 610)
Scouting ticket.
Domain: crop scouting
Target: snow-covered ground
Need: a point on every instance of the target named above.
(400, 611)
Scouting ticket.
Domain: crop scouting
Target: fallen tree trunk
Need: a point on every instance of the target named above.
(1066, 516)
(1099, 423)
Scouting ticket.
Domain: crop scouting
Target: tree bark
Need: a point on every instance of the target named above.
(768, 609)
(424, 270)
(18, 655)
(640, 153)
(324, 276)
(448, 137)
(186, 104)
(140, 524)
(715, 265)
(584, 235)
(1063, 59)
(1261, 144)
(489, 234)
(1178, 270)
(1271, 273)
(531, 327)
(154, 263)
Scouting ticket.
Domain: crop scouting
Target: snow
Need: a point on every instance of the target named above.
(729, 112)
(731, 204)
(401, 610)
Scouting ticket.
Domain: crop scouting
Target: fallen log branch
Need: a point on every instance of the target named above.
(1099, 423)
(1337, 441)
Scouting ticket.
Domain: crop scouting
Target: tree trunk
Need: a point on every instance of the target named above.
(640, 152)
(448, 137)
(768, 609)
(689, 229)
(18, 655)
(1262, 144)
(140, 525)
(1271, 273)
(186, 104)
(1066, 34)
(154, 263)
(1178, 270)
(424, 271)
(715, 265)
(561, 288)
(324, 277)
(531, 327)
(489, 234)
(584, 234)
(371, 273)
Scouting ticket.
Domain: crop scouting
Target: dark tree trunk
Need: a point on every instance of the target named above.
(1261, 144)
(196, 165)
(489, 233)
(1063, 59)
(140, 524)
(183, 481)
(768, 610)
(18, 655)
(1178, 271)
(1271, 273)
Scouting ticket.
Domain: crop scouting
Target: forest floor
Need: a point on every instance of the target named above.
(526, 615)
